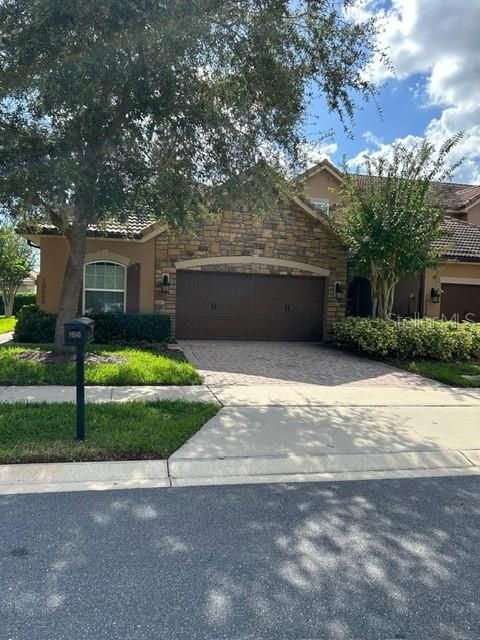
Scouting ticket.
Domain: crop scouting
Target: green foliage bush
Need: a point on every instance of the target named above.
(21, 300)
(406, 339)
(115, 328)
(34, 325)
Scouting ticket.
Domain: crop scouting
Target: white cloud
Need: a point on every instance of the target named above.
(379, 148)
(313, 152)
(439, 40)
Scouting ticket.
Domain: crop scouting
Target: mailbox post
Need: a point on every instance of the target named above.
(78, 333)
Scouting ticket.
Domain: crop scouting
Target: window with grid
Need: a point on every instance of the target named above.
(104, 288)
(323, 205)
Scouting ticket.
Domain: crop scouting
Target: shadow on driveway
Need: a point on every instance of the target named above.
(230, 362)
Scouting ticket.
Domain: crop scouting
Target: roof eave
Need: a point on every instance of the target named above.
(323, 165)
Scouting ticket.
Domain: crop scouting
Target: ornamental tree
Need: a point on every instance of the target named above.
(16, 262)
(390, 218)
(161, 108)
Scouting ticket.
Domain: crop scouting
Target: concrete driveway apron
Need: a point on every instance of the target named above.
(303, 411)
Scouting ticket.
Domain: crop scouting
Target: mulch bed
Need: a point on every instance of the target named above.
(50, 357)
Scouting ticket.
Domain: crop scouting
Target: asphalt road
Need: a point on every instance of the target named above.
(366, 560)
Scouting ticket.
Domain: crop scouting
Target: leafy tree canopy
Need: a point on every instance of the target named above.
(390, 217)
(125, 105)
(16, 262)
(159, 107)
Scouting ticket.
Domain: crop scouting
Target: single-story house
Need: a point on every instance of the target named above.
(29, 284)
(279, 277)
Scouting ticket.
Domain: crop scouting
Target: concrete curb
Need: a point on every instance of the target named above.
(103, 476)
(321, 464)
(82, 476)
(325, 477)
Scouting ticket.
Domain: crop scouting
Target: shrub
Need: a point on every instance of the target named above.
(21, 300)
(34, 325)
(131, 328)
(364, 335)
(406, 339)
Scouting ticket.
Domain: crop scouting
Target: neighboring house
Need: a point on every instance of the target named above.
(29, 284)
(450, 290)
(281, 277)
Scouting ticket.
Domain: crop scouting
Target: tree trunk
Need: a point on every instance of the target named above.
(391, 296)
(72, 282)
(374, 301)
(8, 300)
(374, 289)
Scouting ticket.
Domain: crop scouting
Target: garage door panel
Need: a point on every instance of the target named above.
(249, 306)
(460, 302)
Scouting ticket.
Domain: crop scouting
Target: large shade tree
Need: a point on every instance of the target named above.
(161, 107)
(390, 217)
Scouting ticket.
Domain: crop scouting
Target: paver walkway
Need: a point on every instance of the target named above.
(223, 362)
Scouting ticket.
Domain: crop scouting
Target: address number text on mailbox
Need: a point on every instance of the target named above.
(79, 332)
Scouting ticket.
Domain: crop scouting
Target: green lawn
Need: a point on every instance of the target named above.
(137, 367)
(7, 324)
(448, 372)
(114, 431)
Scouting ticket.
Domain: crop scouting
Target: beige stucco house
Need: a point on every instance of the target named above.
(450, 290)
(29, 284)
(237, 276)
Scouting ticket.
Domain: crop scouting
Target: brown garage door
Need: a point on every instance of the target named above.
(248, 306)
(461, 301)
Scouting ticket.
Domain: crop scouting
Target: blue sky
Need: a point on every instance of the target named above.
(433, 92)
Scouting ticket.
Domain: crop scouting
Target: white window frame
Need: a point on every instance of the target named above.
(323, 201)
(84, 288)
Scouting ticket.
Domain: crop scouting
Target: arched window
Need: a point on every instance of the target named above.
(104, 287)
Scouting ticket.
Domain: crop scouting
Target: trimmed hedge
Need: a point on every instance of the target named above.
(406, 339)
(21, 300)
(118, 327)
(34, 325)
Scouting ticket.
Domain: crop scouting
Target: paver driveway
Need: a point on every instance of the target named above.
(223, 362)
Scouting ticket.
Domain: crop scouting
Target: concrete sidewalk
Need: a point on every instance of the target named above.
(54, 394)
(5, 338)
(264, 395)
(278, 433)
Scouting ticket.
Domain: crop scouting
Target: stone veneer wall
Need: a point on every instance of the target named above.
(289, 235)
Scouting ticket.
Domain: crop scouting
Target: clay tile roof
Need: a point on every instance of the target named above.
(461, 240)
(457, 196)
(454, 196)
(134, 227)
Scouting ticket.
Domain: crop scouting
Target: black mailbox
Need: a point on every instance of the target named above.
(78, 332)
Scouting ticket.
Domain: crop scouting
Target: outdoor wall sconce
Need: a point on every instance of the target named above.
(165, 282)
(435, 294)
(340, 290)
